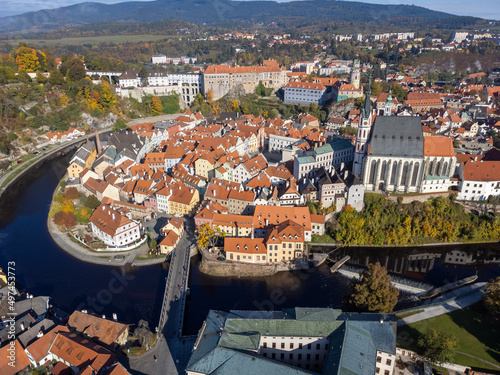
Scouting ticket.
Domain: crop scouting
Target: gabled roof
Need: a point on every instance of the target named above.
(300, 215)
(21, 359)
(105, 331)
(108, 220)
(481, 171)
(170, 239)
(40, 347)
(245, 245)
(81, 352)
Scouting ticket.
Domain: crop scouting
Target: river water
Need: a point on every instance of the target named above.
(135, 293)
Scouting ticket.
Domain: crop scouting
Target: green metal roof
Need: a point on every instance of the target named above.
(306, 159)
(228, 343)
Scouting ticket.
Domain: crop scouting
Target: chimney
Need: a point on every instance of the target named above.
(22, 326)
(98, 142)
(115, 317)
(113, 216)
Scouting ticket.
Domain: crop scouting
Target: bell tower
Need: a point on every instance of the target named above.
(388, 104)
(355, 72)
(364, 131)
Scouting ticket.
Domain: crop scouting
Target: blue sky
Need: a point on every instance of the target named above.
(483, 8)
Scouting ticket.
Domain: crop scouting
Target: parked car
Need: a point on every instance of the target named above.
(19, 161)
(222, 259)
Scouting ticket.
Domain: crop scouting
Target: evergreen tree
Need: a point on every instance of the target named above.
(374, 292)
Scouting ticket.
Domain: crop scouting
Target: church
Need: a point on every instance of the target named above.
(393, 156)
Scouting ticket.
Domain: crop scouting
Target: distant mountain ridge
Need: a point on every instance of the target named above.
(212, 12)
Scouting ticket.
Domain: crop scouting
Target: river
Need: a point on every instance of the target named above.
(135, 293)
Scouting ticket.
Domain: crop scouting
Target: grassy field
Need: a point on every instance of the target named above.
(476, 333)
(95, 40)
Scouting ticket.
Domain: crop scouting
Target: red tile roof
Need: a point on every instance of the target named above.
(105, 331)
(108, 220)
(438, 146)
(20, 361)
(481, 171)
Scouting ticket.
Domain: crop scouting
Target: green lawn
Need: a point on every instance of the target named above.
(476, 332)
(91, 40)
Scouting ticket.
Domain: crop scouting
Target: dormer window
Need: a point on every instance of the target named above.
(274, 238)
(284, 236)
(295, 236)
(238, 247)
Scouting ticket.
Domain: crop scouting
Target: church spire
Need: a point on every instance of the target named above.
(368, 102)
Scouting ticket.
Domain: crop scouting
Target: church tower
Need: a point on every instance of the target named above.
(364, 130)
(388, 105)
(355, 72)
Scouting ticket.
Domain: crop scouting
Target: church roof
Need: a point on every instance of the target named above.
(397, 136)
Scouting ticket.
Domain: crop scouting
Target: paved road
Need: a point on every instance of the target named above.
(41, 157)
(457, 304)
(172, 352)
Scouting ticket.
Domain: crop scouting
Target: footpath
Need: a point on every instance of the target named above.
(455, 300)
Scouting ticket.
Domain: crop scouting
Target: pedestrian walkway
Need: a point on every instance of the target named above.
(446, 307)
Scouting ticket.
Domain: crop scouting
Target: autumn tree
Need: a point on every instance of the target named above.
(156, 106)
(210, 96)
(71, 193)
(491, 297)
(374, 292)
(209, 236)
(27, 59)
(437, 346)
(235, 106)
(107, 99)
(66, 219)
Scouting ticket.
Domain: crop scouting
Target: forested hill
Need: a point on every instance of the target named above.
(214, 12)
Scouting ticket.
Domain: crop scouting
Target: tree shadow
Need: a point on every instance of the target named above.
(478, 323)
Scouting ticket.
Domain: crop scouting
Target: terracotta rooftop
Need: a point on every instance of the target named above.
(438, 146)
(105, 331)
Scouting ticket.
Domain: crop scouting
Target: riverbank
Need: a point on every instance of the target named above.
(103, 258)
(232, 269)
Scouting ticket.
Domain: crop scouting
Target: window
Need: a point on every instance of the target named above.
(282, 345)
(274, 345)
(291, 345)
(318, 346)
(388, 362)
(387, 372)
(264, 345)
(290, 356)
(377, 371)
(379, 359)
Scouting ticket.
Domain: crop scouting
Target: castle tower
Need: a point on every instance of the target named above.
(388, 104)
(355, 72)
(364, 130)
